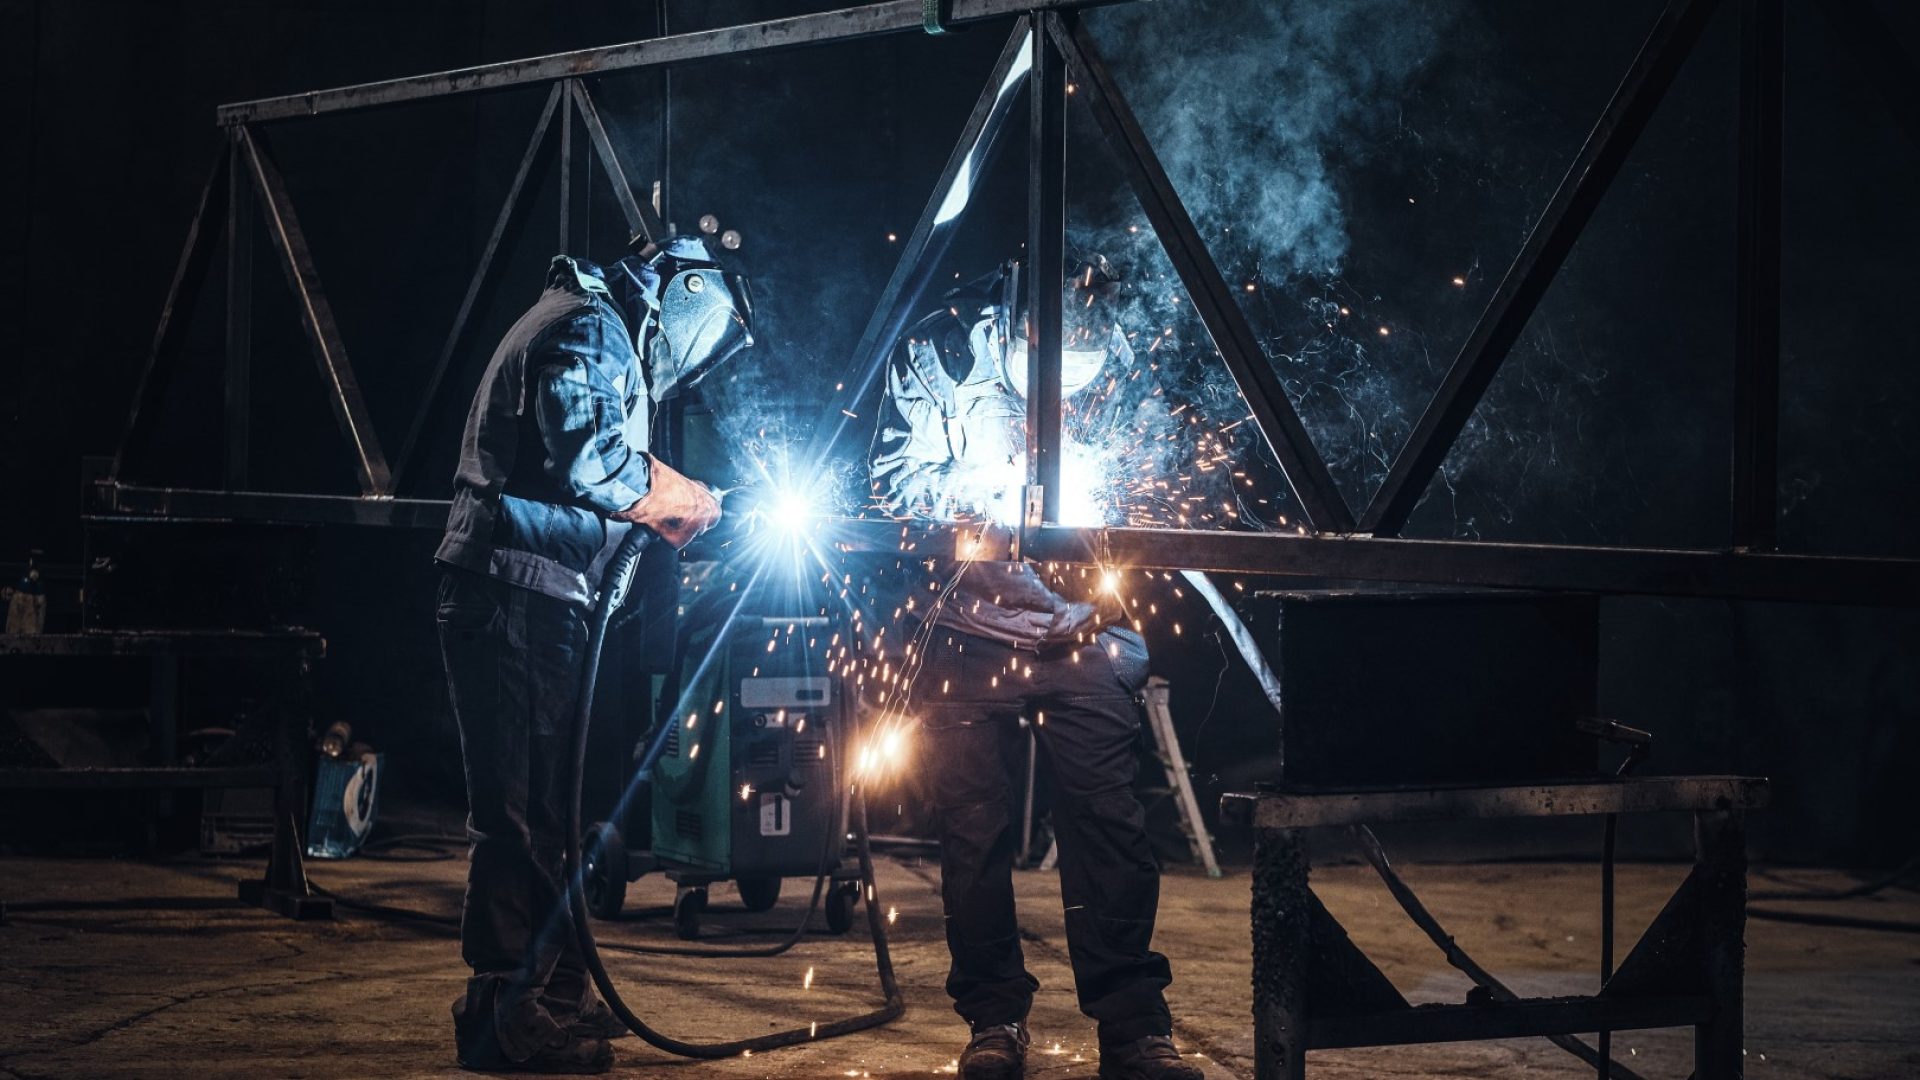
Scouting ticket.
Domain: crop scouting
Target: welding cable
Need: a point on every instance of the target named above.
(613, 587)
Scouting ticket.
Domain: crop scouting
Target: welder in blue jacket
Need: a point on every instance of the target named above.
(999, 640)
(553, 470)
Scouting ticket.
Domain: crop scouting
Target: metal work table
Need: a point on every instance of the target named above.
(278, 745)
(1314, 989)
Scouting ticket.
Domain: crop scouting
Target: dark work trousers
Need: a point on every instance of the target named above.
(513, 661)
(969, 694)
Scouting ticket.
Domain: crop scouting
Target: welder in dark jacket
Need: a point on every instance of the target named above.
(1001, 641)
(553, 470)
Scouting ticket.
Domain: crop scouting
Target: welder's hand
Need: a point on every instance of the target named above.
(674, 507)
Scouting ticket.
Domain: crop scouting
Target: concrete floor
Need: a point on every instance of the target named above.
(151, 970)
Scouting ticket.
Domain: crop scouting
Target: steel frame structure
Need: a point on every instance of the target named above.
(1048, 46)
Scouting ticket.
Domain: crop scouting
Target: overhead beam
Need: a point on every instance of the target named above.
(848, 24)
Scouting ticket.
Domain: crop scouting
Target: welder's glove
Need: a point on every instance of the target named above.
(674, 507)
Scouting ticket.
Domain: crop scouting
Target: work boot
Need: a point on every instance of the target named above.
(995, 1053)
(568, 1054)
(597, 1021)
(1151, 1058)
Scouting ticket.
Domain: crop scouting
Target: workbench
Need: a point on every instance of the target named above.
(1313, 988)
(267, 751)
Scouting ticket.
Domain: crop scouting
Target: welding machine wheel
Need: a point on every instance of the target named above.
(759, 894)
(688, 903)
(605, 872)
(840, 906)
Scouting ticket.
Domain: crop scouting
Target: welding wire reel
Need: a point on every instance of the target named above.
(613, 587)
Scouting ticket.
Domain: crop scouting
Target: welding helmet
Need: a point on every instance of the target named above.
(698, 314)
(1089, 333)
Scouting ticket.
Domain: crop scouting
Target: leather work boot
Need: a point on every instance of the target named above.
(1151, 1058)
(995, 1053)
(597, 1021)
(570, 1055)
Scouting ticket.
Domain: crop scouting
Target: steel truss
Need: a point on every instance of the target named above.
(1048, 46)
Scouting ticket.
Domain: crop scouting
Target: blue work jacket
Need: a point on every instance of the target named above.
(556, 440)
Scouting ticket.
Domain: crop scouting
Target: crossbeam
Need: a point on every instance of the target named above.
(847, 24)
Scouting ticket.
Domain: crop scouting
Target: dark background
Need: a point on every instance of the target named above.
(1609, 423)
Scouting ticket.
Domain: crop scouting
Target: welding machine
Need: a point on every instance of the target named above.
(748, 784)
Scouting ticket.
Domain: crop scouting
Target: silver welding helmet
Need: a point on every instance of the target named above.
(690, 313)
(706, 316)
(1090, 336)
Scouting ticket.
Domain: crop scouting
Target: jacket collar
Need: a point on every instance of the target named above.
(577, 276)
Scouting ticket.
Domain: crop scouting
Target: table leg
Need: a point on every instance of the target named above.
(1281, 907)
(1720, 851)
(285, 887)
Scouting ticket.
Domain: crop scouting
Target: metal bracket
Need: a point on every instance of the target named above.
(934, 15)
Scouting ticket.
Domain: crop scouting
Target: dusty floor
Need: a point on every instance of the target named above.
(130, 969)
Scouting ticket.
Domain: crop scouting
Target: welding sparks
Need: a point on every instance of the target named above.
(885, 748)
(807, 983)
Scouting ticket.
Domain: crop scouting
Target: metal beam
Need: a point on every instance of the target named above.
(1623, 570)
(1553, 236)
(848, 24)
(203, 235)
(316, 317)
(1046, 253)
(513, 211)
(1473, 1023)
(641, 219)
(239, 350)
(566, 240)
(945, 209)
(87, 779)
(1816, 579)
(199, 504)
(1633, 795)
(1756, 354)
(1306, 473)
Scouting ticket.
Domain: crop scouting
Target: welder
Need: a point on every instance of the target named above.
(1000, 641)
(554, 469)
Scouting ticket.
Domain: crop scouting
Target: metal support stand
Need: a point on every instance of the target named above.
(1314, 990)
